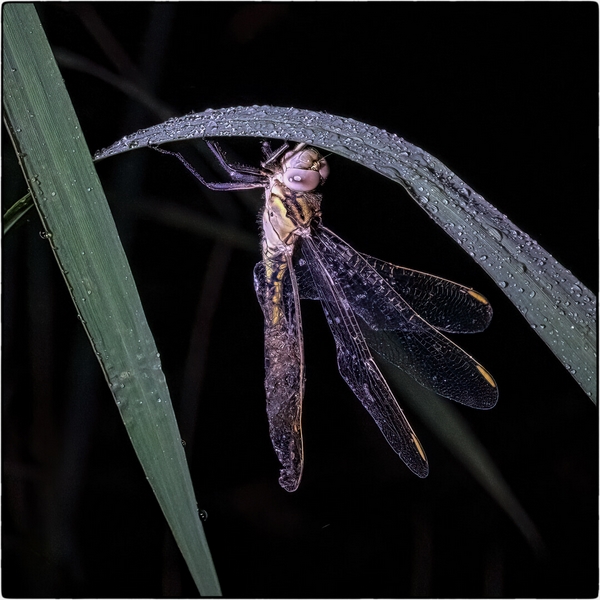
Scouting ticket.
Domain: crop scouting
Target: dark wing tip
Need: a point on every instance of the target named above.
(489, 395)
(421, 471)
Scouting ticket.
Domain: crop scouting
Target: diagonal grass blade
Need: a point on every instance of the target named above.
(82, 234)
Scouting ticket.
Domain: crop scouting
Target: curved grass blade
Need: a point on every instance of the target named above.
(81, 231)
(556, 304)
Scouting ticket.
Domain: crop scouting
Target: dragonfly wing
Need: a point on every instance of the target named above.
(436, 363)
(397, 333)
(358, 368)
(284, 369)
(445, 305)
(373, 294)
(306, 285)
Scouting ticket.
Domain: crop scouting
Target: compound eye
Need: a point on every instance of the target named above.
(302, 180)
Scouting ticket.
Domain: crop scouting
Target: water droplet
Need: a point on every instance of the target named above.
(497, 235)
(203, 515)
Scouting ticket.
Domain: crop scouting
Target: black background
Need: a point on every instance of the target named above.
(503, 94)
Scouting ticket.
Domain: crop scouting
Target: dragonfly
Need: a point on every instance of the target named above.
(371, 306)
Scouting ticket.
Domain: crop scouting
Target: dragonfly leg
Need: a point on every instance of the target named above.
(272, 155)
(234, 171)
(248, 183)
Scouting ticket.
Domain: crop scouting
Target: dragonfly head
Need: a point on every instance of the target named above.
(304, 169)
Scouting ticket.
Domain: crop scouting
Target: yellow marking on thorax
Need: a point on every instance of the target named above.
(285, 224)
(486, 376)
(478, 296)
(278, 227)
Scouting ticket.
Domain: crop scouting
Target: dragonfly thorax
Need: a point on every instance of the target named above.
(287, 215)
(290, 201)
